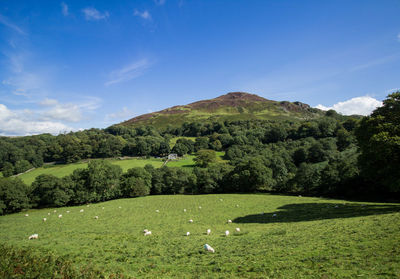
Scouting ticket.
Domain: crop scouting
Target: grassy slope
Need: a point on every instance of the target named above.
(63, 170)
(309, 238)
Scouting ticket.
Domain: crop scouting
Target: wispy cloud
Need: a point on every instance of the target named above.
(375, 62)
(9, 24)
(128, 72)
(64, 9)
(398, 37)
(120, 115)
(145, 14)
(363, 105)
(93, 14)
(159, 2)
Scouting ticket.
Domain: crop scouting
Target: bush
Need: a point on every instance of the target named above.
(13, 195)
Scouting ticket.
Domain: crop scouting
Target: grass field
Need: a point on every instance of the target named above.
(67, 169)
(308, 238)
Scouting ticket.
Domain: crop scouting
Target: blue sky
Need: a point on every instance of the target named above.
(80, 64)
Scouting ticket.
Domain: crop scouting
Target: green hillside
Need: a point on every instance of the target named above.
(308, 237)
(232, 106)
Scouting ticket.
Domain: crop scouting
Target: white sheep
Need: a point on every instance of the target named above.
(229, 221)
(220, 199)
(145, 230)
(26, 215)
(184, 210)
(208, 232)
(190, 221)
(147, 233)
(226, 233)
(81, 210)
(67, 211)
(188, 233)
(48, 213)
(96, 217)
(237, 205)
(238, 229)
(55, 211)
(119, 207)
(199, 207)
(208, 248)
(60, 216)
(102, 207)
(44, 219)
(34, 236)
(157, 210)
(87, 205)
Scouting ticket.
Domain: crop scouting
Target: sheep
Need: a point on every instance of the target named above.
(81, 210)
(229, 221)
(87, 205)
(237, 229)
(157, 211)
(55, 211)
(208, 232)
(67, 211)
(60, 216)
(119, 207)
(184, 210)
(226, 233)
(190, 221)
(147, 233)
(145, 230)
(208, 248)
(96, 217)
(300, 196)
(237, 205)
(274, 215)
(48, 213)
(44, 219)
(34, 236)
(102, 207)
(199, 207)
(188, 233)
(220, 199)
(26, 215)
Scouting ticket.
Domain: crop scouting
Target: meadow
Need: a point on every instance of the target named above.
(308, 237)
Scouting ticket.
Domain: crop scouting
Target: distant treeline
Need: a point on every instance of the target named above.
(331, 156)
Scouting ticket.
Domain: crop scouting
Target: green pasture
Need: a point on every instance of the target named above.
(308, 237)
(173, 141)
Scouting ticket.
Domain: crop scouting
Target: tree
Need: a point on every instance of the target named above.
(136, 183)
(378, 136)
(8, 169)
(13, 195)
(49, 190)
(205, 157)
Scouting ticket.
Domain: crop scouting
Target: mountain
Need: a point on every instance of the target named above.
(231, 106)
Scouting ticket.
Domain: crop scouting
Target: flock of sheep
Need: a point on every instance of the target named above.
(146, 232)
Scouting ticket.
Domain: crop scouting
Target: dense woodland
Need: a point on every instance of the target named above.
(333, 155)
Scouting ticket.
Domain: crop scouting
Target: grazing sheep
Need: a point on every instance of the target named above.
(208, 232)
(190, 221)
(60, 216)
(220, 199)
(48, 213)
(157, 211)
(26, 215)
(238, 229)
(237, 205)
(44, 219)
(147, 233)
(226, 233)
(81, 210)
(87, 205)
(208, 248)
(229, 221)
(199, 207)
(67, 211)
(96, 217)
(145, 230)
(34, 236)
(184, 210)
(188, 233)
(119, 207)
(55, 211)
(102, 207)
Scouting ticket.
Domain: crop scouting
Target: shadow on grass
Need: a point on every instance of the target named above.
(299, 212)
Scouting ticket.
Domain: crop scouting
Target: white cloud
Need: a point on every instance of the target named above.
(122, 114)
(363, 105)
(398, 37)
(6, 22)
(93, 14)
(20, 123)
(145, 14)
(129, 72)
(64, 9)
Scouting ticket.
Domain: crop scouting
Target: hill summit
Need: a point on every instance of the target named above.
(231, 106)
